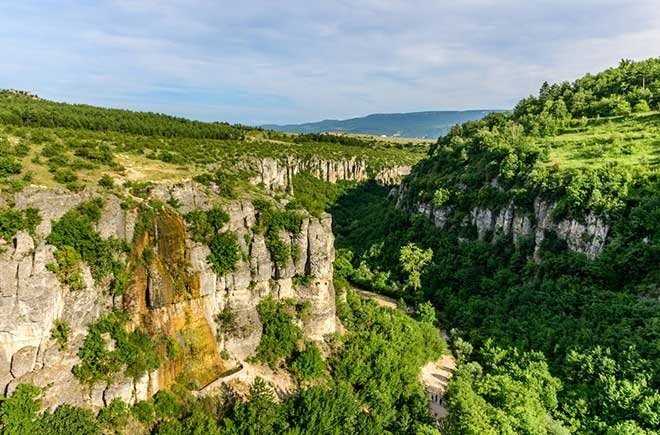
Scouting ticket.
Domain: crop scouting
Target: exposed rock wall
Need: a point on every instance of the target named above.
(276, 174)
(588, 236)
(177, 294)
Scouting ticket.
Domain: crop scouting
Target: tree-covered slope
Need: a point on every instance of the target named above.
(550, 340)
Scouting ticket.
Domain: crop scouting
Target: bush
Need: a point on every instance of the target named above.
(9, 166)
(115, 415)
(144, 412)
(67, 420)
(60, 333)
(225, 253)
(76, 230)
(18, 412)
(280, 333)
(67, 268)
(106, 181)
(134, 352)
(13, 221)
(308, 364)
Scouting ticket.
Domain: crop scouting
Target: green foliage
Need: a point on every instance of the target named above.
(206, 227)
(144, 412)
(225, 253)
(440, 197)
(67, 420)
(275, 223)
(13, 221)
(114, 416)
(76, 230)
(308, 364)
(9, 166)
(280, 334)
(413, 259)
(106, 181)
(60, 333)
(67, 268)
(18, 412)
(24, 111)
(134, 353)
(563, 303)
(507, 393)
(203, 225)
(426, 313)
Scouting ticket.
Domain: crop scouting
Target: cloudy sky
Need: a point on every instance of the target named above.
(298, 60)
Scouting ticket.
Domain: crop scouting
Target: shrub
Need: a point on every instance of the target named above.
(115, 415)
(641, 107)
(144, 412)
(134, 352)
(18, 412)
(13, 221)
(308, 364)
(76, 230)
(9, 166)
(106, 181)
(67, 268)
(67, 420)
(60, 333)
(225, 253)
(203, 225)
(440, 197)
(280, 333)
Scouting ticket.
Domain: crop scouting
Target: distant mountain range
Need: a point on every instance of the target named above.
(432, 124)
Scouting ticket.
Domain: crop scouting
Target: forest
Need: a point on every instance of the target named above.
(560, 344)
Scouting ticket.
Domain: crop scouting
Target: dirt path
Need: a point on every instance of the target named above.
(381, 300)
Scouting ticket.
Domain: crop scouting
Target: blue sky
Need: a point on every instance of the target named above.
(292, 61)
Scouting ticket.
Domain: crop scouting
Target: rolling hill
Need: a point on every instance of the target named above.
(431, 124)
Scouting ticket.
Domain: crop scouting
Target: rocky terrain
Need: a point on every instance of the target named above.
(32, 298)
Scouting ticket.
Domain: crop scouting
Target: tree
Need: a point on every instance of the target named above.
(413, 259)
(19, 412)
(426, 313)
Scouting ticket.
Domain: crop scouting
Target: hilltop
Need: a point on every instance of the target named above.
(427, 125)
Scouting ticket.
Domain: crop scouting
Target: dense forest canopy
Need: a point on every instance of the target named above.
(551, 336)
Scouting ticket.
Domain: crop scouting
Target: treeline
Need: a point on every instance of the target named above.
(629, 87)
(20, 110)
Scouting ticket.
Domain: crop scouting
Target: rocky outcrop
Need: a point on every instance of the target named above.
(587, 237)
(278, 174)
(175, 294)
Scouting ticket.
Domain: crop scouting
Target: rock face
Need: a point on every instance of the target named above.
(175, 294)
(587, 237)
(276, 174)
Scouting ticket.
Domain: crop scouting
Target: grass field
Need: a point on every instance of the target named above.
(632, 141)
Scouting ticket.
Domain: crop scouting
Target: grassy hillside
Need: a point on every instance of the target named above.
(48, 143)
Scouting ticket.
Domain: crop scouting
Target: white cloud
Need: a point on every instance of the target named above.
(263, 61)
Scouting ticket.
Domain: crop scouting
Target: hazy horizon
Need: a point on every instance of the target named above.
(261, 63)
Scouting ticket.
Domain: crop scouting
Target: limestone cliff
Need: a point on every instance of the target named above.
(174, 293)
(587, 236)
(278, 174)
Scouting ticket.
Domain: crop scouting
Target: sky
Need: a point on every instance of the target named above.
(285, 61)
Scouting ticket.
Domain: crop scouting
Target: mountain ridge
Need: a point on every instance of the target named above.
(423, 124)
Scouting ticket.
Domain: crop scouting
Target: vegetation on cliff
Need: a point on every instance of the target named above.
(373, 388)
